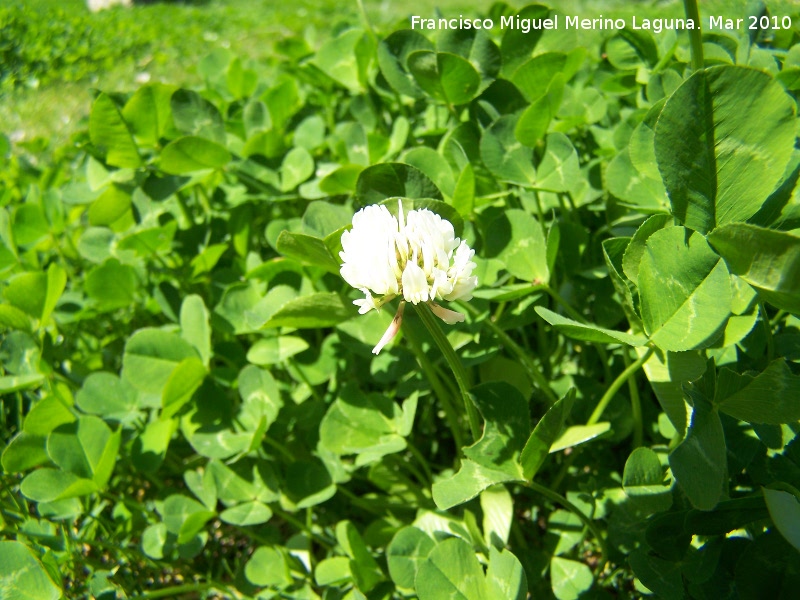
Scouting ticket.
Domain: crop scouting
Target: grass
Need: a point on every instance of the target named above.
(178, 35)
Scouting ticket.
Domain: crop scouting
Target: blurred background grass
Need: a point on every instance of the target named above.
(54, 52)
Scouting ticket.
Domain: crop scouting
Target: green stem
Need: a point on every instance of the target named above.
(374, 506)
(601, 350)
(448, 382)
(312, 389)
(47, 538)
(367, 23)
(321, 540)
(68, 546)
(11, 515)
(495, 195)
(406, 464)
(453, 111)
(666, 58)
(278, 447)
(564, 304)
(175, 591)
(155, 481)
(498, 312)
(421, 460)
(572, 208)
(579, 317)
(539, 212)
(777, 318)
(559, 499)
(19, 405)
(130, 503)
(534, 373)
(636, 405)
(519, 539)
(454, 362)
(695, 35)
(184, 209)
(450, 413)
(546, 356)
(601, 406)
(614, 387)
(23, 508)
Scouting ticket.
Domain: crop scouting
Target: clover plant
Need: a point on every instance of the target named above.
(190, 400)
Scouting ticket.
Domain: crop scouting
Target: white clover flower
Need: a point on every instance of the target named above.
(416, 257)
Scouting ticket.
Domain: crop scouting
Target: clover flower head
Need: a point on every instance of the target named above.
(414, 256)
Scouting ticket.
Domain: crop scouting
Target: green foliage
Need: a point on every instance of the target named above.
(46, 44)
(23, 575)
(190, 402)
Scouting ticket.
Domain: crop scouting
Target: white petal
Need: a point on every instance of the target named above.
(366, 304)
(448, 316)
(414, 255)
(366, 254)
(392, 330)
(462, 290)
(415, 286)
(441, 284)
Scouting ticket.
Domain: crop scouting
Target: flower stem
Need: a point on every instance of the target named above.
(454, 362)
(450, 414)
(590, 525)
(695, 35)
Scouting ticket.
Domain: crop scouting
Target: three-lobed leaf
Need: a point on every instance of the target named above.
(547, 431)
(22, 576)
(192, 153)
(699, 461)
(771, 397)
(86, 448)
(685, 290)
(767, 259)
(722, 142)
(494, 458)
(389, 180)
(451, 570)
(588, 331)
(392, 56)
(445, 76)
(110, 133)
